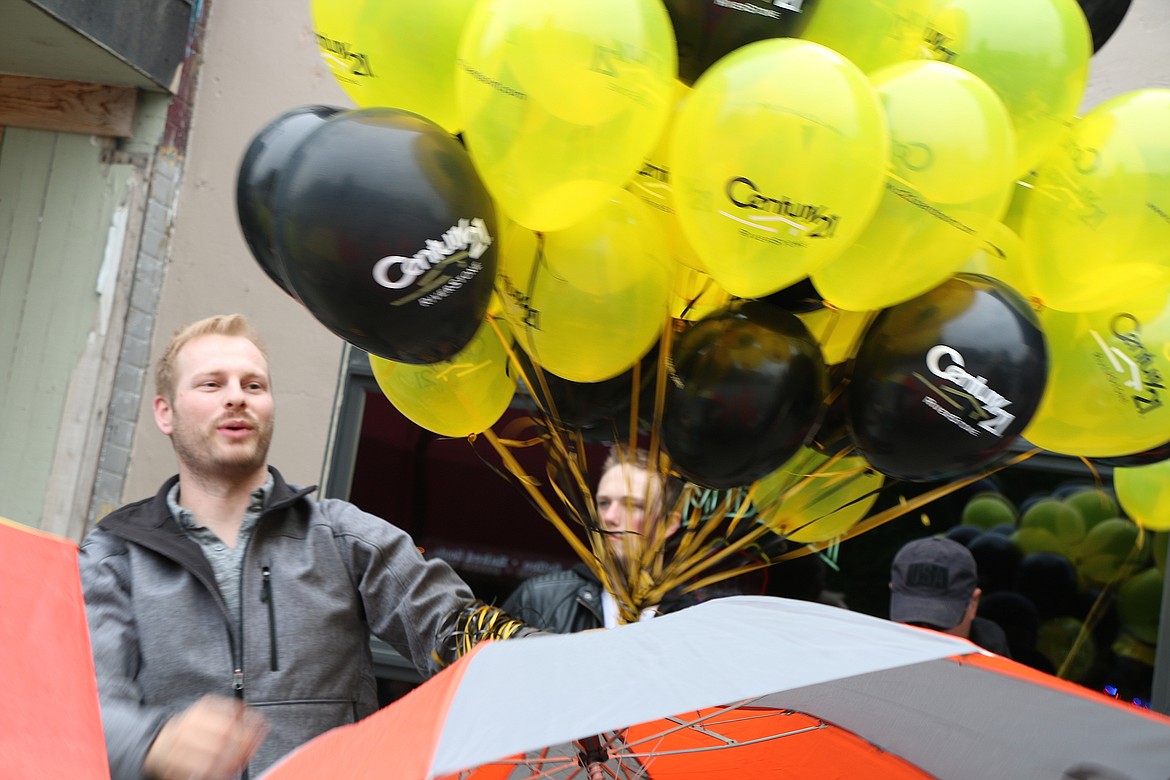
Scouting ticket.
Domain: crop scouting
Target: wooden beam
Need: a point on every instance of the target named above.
(67, 106)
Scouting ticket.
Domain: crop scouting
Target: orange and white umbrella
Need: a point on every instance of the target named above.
(743, 687)
(50, 720)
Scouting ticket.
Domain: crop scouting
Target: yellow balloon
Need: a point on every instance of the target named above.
(871, 33)
(837, 331)
(808, 501)
(1033, 53)
(587, 302)
(1002, 255)
(1144, 494)
(560, 102)
(1096, 220)
(458, 397)
(777, 161)
(652, 183)
(694, 294)
(950, 176)
(1015, 209)
(1105, 395)
(401, 55)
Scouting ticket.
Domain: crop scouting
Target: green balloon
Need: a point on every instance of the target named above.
(1056, 640)
(987, 510)
(1034, 540)
(1139, 603)
(1110, 551)
(1057, 518)
(1094, 505)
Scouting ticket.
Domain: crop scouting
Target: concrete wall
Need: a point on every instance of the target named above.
(1136, 57)
(260, 59)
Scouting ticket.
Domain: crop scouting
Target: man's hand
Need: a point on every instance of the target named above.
(211, 740)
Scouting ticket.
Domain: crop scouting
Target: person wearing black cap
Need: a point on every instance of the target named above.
(934, 583)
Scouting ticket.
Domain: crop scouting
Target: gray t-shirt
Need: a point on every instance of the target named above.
(227, 562)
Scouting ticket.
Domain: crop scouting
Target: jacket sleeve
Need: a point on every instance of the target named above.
(552, 603)
(408, 600)
(518, 603)
(129, 726)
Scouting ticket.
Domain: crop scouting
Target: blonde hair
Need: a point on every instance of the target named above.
(624, 456)
(671, 486)
(219, 325)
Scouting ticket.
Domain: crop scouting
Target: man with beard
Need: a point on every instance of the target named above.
(631, 502)
(230, 614)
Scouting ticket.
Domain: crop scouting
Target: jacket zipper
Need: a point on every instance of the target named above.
(266, 598)
(238, 689)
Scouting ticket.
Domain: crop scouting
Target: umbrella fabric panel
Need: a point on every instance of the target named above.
(761, 743)
(965, 721)
(1036, 677)
(397, 741)
(716, 744)
(523, 694)
(50, 721)
(937, 702)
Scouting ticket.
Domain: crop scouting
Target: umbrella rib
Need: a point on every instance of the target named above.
(708, 749)
(694, 726)
(691, 724)
(688, 724)
(567, 768)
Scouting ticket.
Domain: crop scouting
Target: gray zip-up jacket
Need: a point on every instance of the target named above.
(318, 577)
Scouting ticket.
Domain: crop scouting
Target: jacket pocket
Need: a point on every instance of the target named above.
(293, 723)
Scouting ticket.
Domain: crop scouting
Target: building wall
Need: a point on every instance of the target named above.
(71, 206)
(260, 59)
(57, 201)
(1136, 57)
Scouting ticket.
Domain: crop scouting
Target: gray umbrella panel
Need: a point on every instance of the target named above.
(963, 722)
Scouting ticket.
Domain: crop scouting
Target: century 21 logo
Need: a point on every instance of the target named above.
(341, 59)
(800, 216)
(947, 363)
(467, 238)
(1135, 360)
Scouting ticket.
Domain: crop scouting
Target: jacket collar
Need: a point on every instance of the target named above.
(149, 523)
(674, 600)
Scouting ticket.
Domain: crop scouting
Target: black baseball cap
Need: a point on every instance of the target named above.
(932, 581)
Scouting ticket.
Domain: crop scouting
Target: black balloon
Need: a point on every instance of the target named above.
(266, 156)
(832, 433)
(1020, 621)
(944, 383)
(964, 534)
(996, 559)
(706, 30)
(1144, 458)
(387, 235)
(799, 298)
(1104, 17)
(746, 389)
(1049, 581)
